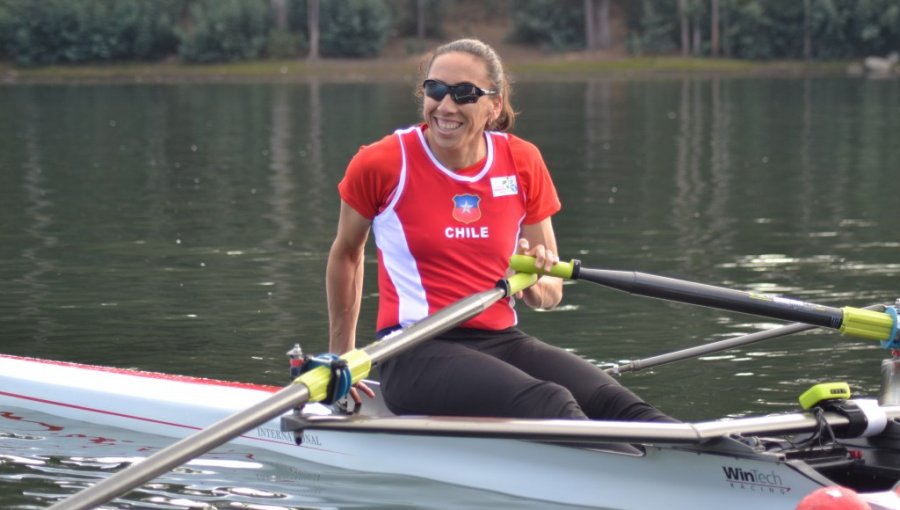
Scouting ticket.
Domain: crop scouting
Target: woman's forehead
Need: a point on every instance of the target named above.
(456, 67)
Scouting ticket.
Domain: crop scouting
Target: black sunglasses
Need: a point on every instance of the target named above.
(462, 93)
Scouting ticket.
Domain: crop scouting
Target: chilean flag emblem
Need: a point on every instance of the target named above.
(465, 208)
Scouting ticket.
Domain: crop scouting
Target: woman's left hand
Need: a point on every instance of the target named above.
(545, 259)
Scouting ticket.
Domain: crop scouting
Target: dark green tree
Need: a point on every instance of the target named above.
(354, 28)
(223, 30)
(555, 25)
(76, 31)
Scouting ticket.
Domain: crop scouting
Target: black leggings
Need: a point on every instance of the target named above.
(507, 373)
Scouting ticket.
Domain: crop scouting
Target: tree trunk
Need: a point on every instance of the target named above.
(698, 38)
(184, 18)
(807, 29)
(279, 14)
(604, 38)
(312, 15)
(685, 28)
(714, 28)
(420, 19)
(590, 36)
(726, 41)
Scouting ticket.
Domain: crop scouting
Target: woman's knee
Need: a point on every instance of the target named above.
(546, 400)
(616, 402)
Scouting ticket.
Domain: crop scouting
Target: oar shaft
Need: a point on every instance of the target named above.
(360, 361)
(702, 350)
(852, 321)
(311, 386)
(434, 325)
(717, 346)
(716, 297)
(447, 318)
(184, 450)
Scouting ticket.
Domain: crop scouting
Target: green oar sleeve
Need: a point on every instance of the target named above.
(525, 264)
(868, 324)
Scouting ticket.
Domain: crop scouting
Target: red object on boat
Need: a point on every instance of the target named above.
(833, 498)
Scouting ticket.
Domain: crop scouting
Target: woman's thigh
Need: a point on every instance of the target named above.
(598, 394)
(550, 363)
(455, 378)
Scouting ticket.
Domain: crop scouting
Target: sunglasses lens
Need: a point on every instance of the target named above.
(436, 90)
(464, 93)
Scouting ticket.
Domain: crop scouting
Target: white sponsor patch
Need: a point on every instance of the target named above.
(503, 186)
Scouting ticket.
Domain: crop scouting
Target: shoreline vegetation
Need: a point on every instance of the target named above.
(139, 41)
(534, 67)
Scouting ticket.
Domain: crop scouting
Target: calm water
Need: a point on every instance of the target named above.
(184, 228)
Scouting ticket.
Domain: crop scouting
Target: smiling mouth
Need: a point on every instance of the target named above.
(447, 125)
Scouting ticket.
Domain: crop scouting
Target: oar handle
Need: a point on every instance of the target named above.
(517, 282)
(526, 264)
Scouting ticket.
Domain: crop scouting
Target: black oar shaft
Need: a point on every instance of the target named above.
(715, 297)
(849, 320)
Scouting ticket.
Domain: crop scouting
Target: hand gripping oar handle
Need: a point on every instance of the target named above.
(852, 321)
(312, 386)
(360, 361)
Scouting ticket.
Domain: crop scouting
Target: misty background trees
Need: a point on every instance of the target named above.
(75, 31)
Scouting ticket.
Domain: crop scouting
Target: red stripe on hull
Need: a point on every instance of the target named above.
(149, 375)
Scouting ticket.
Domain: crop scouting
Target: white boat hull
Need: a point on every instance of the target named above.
(659, 477)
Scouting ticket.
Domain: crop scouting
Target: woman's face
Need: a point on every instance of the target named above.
(455, 131)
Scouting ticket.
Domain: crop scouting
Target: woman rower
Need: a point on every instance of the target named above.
(448, 201)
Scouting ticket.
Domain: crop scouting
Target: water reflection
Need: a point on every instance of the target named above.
(702, 186)
(315, 162)
(35, 307)
(281, 197)
(598, 124)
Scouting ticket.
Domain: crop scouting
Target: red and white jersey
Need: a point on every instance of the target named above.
(445, 234)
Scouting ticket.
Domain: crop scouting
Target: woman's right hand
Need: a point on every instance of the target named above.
(360, 387)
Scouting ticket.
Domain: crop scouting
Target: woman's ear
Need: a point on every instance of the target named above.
(496, 110)
(497, 107)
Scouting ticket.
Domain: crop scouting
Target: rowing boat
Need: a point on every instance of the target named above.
(742, 463)
(748, 463)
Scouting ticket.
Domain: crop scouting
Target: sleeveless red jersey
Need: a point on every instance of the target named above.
(442, 234)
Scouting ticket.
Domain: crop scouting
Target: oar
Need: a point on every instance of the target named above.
(851, 321)
(718, 346)
(701, 350)
(312, 386)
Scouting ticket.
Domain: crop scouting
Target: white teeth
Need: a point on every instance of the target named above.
(444, 124)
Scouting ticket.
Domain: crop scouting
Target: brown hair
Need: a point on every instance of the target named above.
(496, 74)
